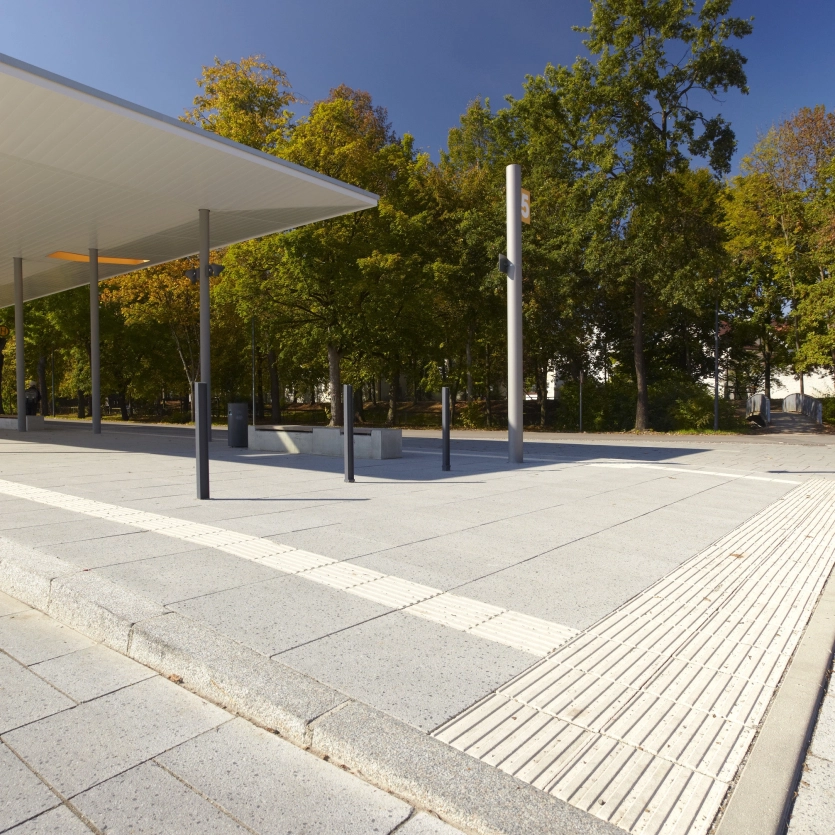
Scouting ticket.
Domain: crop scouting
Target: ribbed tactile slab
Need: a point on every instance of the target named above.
(532, 635)
(644, 719)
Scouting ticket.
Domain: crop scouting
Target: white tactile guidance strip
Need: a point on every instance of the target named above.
(644, 719)
(523, 632)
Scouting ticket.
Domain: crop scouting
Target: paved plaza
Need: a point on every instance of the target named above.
(604, 626)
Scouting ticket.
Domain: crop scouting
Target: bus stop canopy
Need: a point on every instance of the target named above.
(84, 170)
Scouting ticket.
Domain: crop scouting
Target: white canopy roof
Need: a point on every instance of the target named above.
(81, 169)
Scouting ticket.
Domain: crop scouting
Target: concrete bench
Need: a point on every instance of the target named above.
(33, 422)
(327, 440)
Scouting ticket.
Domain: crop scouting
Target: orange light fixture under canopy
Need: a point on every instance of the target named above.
(103, 259)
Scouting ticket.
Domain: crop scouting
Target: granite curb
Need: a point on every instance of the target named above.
(385, 751)
(761, 800)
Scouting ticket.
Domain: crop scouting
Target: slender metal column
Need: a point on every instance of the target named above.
(348, 430)
(201, 439)
(205, 334)
(716, 371)
(445, 429)
(20, 362)
(95, 357)
(515, 392)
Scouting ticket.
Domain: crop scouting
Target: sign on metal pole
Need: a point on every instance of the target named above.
(526, 206)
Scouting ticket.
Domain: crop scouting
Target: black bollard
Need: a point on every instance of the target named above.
(201, 438)
(445, 429)
(348, 430)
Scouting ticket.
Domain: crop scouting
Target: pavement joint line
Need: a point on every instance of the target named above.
(663, 697)
(386, 752)
(514, 629)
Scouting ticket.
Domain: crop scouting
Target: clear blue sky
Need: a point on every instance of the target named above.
(423, 60)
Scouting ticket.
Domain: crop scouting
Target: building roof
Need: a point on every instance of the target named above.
(81, 169)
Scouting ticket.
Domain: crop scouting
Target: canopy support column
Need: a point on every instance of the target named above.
(20, 362)
(205, 333)
(95, 356)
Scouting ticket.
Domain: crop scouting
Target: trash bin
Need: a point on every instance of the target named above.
(238, 423)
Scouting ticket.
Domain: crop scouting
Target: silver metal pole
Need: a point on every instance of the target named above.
(53, 382)
(205, 333)
(201, 438)
(20, 362)
(581, 400)
(445, 429)
(95, 356)
(253, 371)
(716, 371)
(348, 430)
(515, 393)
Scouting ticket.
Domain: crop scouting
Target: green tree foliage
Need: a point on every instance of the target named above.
(631, 247)
(641, 103)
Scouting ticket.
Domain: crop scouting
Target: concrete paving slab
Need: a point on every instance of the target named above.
(177, 577)
(423, 824)
(329, 541)
(22, 794)
(112, 550)
(31, 637)
(280, 614)
(89, 673)
(448, 562)
(312, 795)
(79, 748)
(418, 671)
(814, 808)
(24, 697)
(10, 606)
(58, 821)
(34, 517)
(147, 800)
(61, 532)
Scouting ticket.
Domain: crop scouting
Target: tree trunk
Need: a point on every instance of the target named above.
(335, 387)
(394, 390)
(359, 405)
(80, 403)
(275, 390)
(2, 362)
(259, 386)
(123, 403)
(469, 371)
(767, 358)
(42, 382)
(488, 406)
(373, 391)
(642, 408)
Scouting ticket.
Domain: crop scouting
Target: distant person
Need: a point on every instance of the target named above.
(33, 399)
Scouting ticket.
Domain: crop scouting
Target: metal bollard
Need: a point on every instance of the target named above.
(201, 438)
(348, 430)
(445, 429)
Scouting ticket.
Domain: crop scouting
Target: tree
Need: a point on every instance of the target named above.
(244, 101)
(639, 106)
(322, 281)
